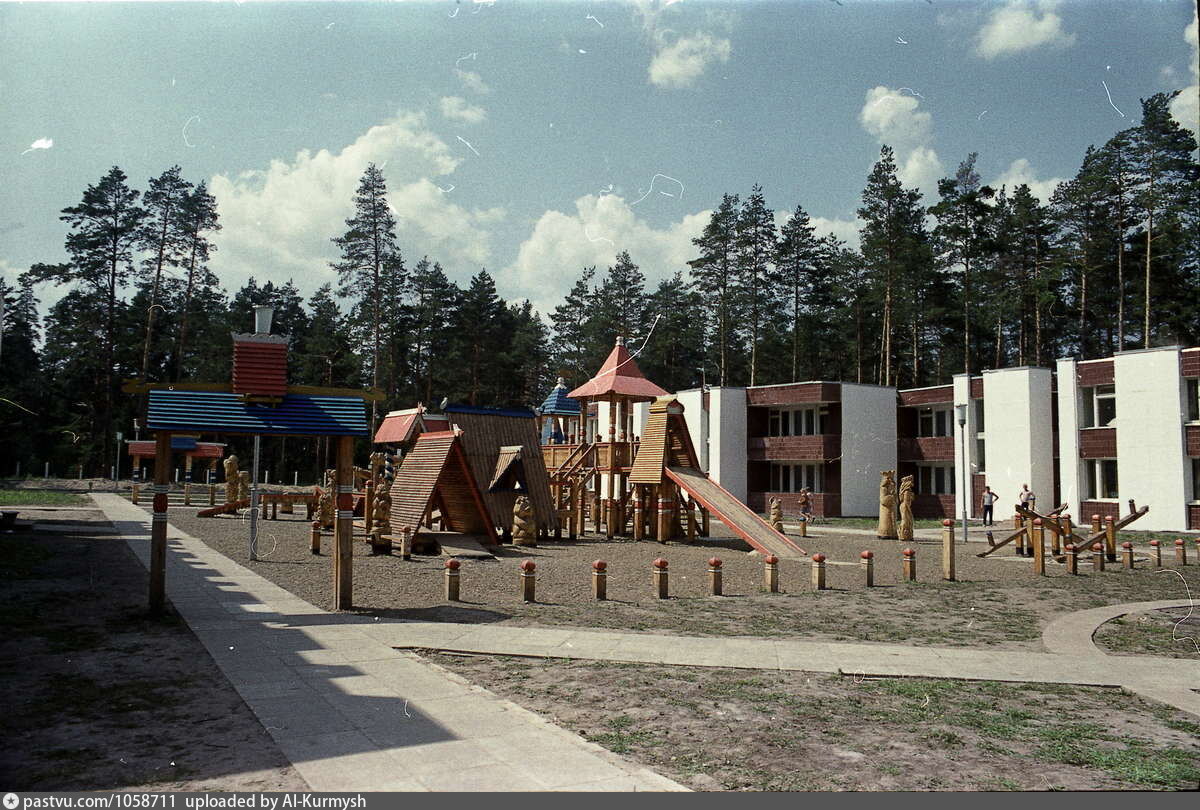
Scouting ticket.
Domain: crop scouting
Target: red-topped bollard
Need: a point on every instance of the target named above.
(452, 566)
(868, 566)
(1127, 555)
(771, 573)
(1110, 538)
(1095, 524)
(714, 575)
(659, 569)
(406, 542)
(948, 550)
(1180, 552)
(818, 571)
(600, 580)
(1068, 528)
(528, 580)
(1072, 558)
(314, 541)
(1156, 553)
(1097, 556)
(909, 557)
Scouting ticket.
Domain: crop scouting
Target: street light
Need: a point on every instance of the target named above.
(960, 412)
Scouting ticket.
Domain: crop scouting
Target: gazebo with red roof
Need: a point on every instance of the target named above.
(619, 385)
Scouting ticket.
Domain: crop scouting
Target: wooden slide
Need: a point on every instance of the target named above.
(733, 513)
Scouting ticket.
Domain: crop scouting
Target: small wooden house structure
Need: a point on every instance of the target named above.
(436, 475)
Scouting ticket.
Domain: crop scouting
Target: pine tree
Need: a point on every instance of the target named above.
(369, 253)
(197, 217)
(481, 330)
(798, 258)
(22, 380)
(621, 300)
(757, 279)
(569, 323)
(715, 275)
(673, 356)
(434, 300)
(164, 240)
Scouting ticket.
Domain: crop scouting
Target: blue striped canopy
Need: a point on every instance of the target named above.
(558, 403)
(225, 412)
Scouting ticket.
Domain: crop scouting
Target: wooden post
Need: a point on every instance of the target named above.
(868, 566)
(600, 580)
(368, 508)
(1039, 547)
(1097, 557)
(187, 480)
(528, 581)
(639, 512)
(803, 526)
(771, 573)
(1056, 536)
(1095, 524)
(662, 531)
(343, 557)
(703, 522)
(909, 558)
(714, 575)
(158, 526)
(1180, 552)
(1127, 555)
(212, 494)
(136, 493)
(818, 571)
(1025, 541)
(659, 570)
(1067, 526)
(1072, 558)
(1110, 538)
(948, 567)
(406, 542)
(610, 514)
(1156, 552)
(452, 565)
(691, 523)
(315, 539)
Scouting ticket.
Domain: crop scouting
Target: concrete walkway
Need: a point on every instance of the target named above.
(347, 709)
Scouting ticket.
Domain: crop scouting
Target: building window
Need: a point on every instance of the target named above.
(935, 479)
(979, 456)
(933, 422)
(1099, 405)
(794, 477)
(794, 422)
(1100, 476)
(1196, 479)
(978, 415)
(1193, 399)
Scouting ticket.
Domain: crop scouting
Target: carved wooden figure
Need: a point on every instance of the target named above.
(776, 515)
(887, 505)
(906, 514)
(232, 479)
(524, 531)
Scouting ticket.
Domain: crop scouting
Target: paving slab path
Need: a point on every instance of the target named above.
(351, 712)
(351, 706)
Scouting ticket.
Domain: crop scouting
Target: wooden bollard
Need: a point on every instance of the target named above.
(212, 494)
(136, 494)
(948, 571)
(818, 571)
(1156, 552)
(1180, 552)
(1017, 521)
(406, 542)
(315, 540)
(1039, 547)
(714, 575)
(452, 566)
(1097, 557)
(659, 571)
(187, 494)
(1095, 524)
(1072, 558)
(528, 581)
(1056, 537)
(803, 526)
(1110, 538)
(868, 566)
(771, 573)
(1127, 555)
(600, 580)
(1067, 526)
(909, 557)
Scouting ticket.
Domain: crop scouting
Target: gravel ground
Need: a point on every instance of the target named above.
(998, 601)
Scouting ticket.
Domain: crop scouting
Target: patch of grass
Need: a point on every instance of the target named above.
(1139, 765)
(621, 739)
(40, 497)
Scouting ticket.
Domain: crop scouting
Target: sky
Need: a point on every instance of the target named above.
(536, 138)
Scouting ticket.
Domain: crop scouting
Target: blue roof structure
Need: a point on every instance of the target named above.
(183, 442)
(520, 413)
(225, 412)
(558, 403)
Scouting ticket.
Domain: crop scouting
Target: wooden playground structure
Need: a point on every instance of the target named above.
(1062, 532)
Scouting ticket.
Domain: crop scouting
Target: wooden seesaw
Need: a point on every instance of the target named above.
(1062, 536)
(1050, 518)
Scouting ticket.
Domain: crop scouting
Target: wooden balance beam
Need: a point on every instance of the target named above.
(1026, 513)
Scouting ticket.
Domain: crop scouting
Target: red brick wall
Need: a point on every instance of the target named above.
(794, 448)
(1194, 517)
(927, 396)
(1097, 373)
(976, 387)
(926, 448)
(933, 506)
(978, 482)
(1101, 508)
(1189, 359)
(1191, 435)
(795, 394)
(825, 504)
(1098, 443)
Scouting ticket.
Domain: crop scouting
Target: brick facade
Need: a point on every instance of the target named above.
(1098, 372)
(794, 394)
(825, 504)
(942, 394)
(1194, 517)
(925, 448)
(1101, 508)
(976, 387)
(1098, 443)
(1191, 435)
(1189, 360)
(794, 448)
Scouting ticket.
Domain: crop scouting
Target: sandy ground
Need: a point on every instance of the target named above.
(998, 601)
(101, 696)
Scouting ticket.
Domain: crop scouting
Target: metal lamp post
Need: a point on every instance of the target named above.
(960, 412)
(117, 464)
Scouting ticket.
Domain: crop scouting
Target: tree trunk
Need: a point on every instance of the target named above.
(1149, 230)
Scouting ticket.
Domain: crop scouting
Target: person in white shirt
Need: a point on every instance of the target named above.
(989, 499)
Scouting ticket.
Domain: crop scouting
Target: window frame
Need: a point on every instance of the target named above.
(1096, 475)
(930, 474)
(797, 475)
(1093, 397)
(932, 416)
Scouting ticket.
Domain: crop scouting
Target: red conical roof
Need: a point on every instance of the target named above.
(619, 376)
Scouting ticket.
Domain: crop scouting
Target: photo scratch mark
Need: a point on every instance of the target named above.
(1110, 101)
(464, 140)
(597, 238)
(186, 124)
(593, 19)
(40, 143)
(651, 189)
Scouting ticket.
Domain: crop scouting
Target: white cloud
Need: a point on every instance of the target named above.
(1186, 106)
(456, 108)
(895, 119)
(844, 229)
(1021, 171)
(562, 244)
(1019, 26)
(682, 62)
(277, 222)
(472, 81)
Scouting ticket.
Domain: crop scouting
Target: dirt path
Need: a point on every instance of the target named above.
(101, 696)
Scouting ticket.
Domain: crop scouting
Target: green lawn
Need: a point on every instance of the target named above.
(40, 497)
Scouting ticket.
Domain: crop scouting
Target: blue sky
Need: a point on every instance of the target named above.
(534, 138)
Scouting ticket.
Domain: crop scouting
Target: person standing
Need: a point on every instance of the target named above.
(989, 499)
(1026, 499)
